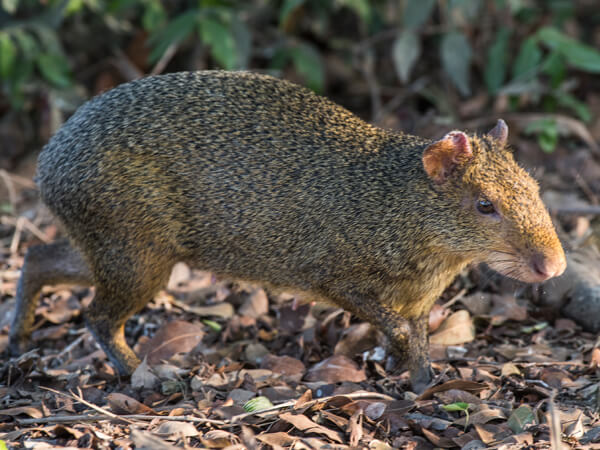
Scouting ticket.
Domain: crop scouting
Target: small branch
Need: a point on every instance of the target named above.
(164, 59)
(97, 417)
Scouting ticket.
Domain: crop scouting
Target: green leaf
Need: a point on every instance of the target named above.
(456, 58)
(577, 54)
(360, 7)
(8, 55)
(416, 12)
(175, 32)
(288, 7)
(547, 133)
(308, 64)
(554, 65)
(520, 418)
(243, 42)
(3, 445)
(495, 70)
(154, 15)
(528, 60)
(221, 41)
(10, 6)
(405, 52)
(257, 404)
(27, 44)
(54, 68)
(534, 328)
(458, 406)
(577, 106)
(212, 324)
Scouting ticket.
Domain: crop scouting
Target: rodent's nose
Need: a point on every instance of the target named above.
(548, 266)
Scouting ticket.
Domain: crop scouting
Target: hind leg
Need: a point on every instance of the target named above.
(49, 264)
(121, 291)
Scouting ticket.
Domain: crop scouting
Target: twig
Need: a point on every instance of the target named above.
(554, 423)
(95, 417)
(454, 299)
(10, 187)
(80, 399)
(164, 59)
(592, 210)
(276, 408)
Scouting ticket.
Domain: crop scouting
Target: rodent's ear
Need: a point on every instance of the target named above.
(443, 156)
(499, 133)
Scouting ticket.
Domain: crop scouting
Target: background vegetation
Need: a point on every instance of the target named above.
(394, 62)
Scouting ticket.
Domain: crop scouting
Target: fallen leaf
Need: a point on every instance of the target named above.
(221, 309)
(173, 431)
(437, 315)
(509, 369)
(303, 423)
(465, 385)
(26, 410)
(219, 439)
(255, 305)
(174, 337)
(505, 307)
(357, 339)
(456, 329)
(146, 441)
(438, 441)
(143, 377)
(284, 365)
(355, 428)
(520, 418)
(123, 404)
(279, 439)
(335, 369)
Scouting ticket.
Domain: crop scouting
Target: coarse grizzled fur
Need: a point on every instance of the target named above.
(259, 179)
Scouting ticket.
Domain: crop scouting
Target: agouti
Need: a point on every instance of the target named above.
(259, 179)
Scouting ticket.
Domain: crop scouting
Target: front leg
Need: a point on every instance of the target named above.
(409, 339)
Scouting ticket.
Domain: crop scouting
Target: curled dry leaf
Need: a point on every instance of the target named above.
(174, 337)
(303, 423)
(26, 410)
(470, 386)
(123, 404)
(173, 431)
(219, 439)
(456, 329)
(335, 369)
(437, 315)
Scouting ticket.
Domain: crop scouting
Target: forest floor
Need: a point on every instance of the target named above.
(231, 366)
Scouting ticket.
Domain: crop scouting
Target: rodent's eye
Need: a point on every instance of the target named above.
(484, 206)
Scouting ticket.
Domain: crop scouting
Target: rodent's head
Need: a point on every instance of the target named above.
(499, 216)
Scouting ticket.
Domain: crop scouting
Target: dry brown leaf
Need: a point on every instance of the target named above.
(465, 385)
(509, 369)
(26, 410)
(357, 339)
(303, 423)
(438, 441)
(219, 439)
(304, 398)
(174, 337)
(255, 305)
(457, 395)
(456, 329)
(123, 404)
(481, 414)
(437, 315)
(284, 365)
(173, 431)
(355, 428)
(595, 358)
(145, 441)
(143, 377)
(505, 307)
(335, 369)
(490, 433)
(221, 309)
(277, 440)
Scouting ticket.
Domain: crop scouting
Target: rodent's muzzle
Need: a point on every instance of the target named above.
(547, 265)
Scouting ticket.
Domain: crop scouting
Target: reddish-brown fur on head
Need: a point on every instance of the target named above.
(501, 216)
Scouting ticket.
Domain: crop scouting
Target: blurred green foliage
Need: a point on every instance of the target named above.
(506, 47)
